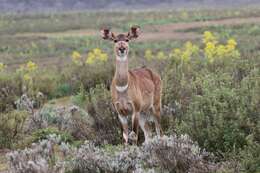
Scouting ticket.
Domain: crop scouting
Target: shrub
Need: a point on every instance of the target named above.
(42, 134)
(216, 101)
(44, 156)
(63, 90)
(98, 105)
(249, 157)
(71, 120)
(168, 154)
(88, 75)
(10, 87)
(45, 83)
(80, 98)
(11, 127)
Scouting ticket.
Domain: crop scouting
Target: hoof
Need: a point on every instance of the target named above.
(133, 137)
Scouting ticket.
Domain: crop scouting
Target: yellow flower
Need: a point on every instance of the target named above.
(191, 48)
(75, 55)
(221, 51)
(27, 77)
(31, 66)
(148, 54)
(210, 51)
(91, 55)
(103, 57)
(186, 55)
(176, 53)
(97, 51)
(232, 42)
(96, 55)
(2, 66)
(90, 58)
(209, 37)
(90, 61)
(231, 45)
(160, 55)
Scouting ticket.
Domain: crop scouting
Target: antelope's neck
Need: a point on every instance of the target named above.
(121, 74)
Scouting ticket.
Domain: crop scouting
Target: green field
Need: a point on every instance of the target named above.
(209, 61)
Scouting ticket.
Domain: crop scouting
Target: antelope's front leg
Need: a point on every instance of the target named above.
(135, 127)
(123, 120)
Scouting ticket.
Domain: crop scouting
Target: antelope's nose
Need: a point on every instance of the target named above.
(122, 49)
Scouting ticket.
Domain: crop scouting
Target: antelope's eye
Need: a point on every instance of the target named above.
(115, 41)
(127, 40)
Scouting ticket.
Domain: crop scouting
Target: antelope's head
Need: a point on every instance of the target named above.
(121, 47)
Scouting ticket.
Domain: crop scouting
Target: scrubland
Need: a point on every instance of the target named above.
(55, 108)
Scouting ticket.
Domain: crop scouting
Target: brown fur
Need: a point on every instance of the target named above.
(142, 94)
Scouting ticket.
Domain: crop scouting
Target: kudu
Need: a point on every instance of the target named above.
(134, 91)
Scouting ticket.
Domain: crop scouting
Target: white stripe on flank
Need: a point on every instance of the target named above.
(121, 88)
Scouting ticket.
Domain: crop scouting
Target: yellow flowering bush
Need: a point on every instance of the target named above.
(31, 66)
(27, 77)
(76, 57)
(185, 53)
(209, 37)
(2, 66)
(231, 50)
(96, 55)
(27, 70)
(160, 55)
(220, 50)
(210, 51)
(148, 54)
(214, 51)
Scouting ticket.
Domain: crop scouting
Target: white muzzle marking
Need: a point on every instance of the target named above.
(121, 88)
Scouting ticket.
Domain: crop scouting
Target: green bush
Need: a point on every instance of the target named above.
(63, 90)
(41, 134)
(250, 157)
(81, 97)
(10, 88)
(45, 83)
(213, 118)
(11, 127)
(98, 105)
(217, 105)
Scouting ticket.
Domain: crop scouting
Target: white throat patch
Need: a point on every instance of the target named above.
(121, 58)
(121, 88)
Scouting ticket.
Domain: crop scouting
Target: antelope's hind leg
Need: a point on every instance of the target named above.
(157, 121)
(144, 124)
(157, 113)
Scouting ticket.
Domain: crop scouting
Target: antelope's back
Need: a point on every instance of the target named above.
(146, 78)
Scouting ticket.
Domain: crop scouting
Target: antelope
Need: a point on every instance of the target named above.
(134, 92)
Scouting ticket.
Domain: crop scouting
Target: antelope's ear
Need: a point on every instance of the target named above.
(106, 34)
(134, 32)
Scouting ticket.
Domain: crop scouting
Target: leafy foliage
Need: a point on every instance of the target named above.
(11, 127)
